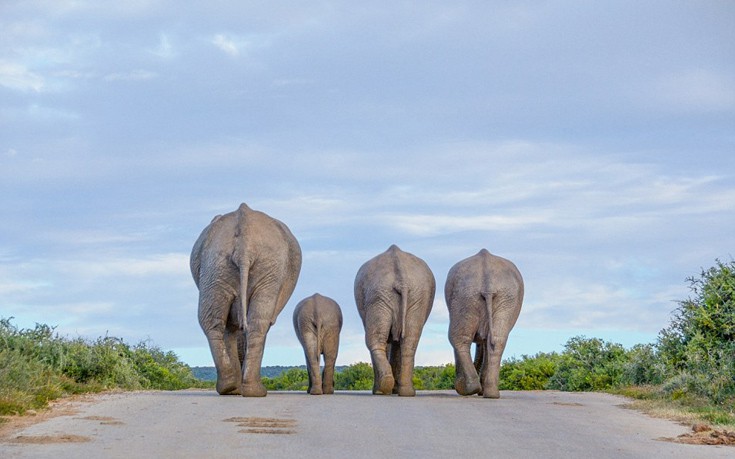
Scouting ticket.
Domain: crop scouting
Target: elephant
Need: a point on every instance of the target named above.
(484, 294)
(394, 292)
(245, 265)
(317, 321)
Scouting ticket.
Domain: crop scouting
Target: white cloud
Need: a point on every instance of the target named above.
(165, 48)
(431, 225)
(19, 78)
(135, 75)
(8, 287)
(227, 45)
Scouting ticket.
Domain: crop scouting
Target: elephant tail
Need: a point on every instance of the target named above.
(401, 288)
(242, 260)
(318, 338)
(488, 297)
(402, 291)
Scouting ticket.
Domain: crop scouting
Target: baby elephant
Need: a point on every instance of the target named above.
(318, 321)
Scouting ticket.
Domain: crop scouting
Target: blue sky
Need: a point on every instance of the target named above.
(591, 144)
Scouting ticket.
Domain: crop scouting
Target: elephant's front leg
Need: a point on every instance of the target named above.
(377, 329)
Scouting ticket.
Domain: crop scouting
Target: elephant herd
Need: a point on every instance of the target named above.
(246, 264)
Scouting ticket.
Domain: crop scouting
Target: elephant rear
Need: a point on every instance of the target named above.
(484, 294)
(245, 264)
(317, 321)
(394, 293)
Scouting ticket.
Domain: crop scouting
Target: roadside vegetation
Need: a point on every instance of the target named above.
(37, 366)
(688, 374)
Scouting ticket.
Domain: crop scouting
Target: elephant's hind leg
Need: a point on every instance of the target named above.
(252, 386)
(214, 307)
(467, 381)
(331, 347)
(377, 331)
(311, 350)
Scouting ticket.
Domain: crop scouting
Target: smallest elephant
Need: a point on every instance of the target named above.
(318, 321)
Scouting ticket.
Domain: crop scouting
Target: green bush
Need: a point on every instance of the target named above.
(37, 366)
(699, 345)
(589, 364)
(643, 366)
(161, 370)
(434, 378)
(358, 376)
(528, 373)
(291, 379)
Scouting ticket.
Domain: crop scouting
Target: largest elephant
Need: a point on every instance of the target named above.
(484, 294)
(394, 292)
(246, 265)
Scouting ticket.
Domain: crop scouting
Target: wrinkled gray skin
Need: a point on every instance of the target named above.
(484, 294)
(394, 293)
(245, 265)
(317, 321)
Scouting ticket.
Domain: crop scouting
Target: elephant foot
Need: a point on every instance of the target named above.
(464, 387)
(384, 385)
(406, 391)
(491, 393)
(227, 387)
(316, 390)
(256, 389)
(328, 390)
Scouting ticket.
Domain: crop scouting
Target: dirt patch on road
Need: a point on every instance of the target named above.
(567, 403)
(104, 420)
(703, 434)
(256, 425)
(47, 439)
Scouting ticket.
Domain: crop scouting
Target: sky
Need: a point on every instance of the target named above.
(591, 144)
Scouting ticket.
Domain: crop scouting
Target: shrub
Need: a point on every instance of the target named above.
(588, 364)
(643, 366)
(528, 373)
(434, 378)
(358, 376)
(699, 343)
(161, 370)
(36, 366)
(291, 379)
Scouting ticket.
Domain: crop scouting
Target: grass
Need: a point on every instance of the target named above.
(685, 409)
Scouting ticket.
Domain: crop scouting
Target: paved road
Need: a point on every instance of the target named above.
(197, 424)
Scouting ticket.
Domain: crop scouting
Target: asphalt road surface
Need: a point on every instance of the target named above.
(201, 424)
